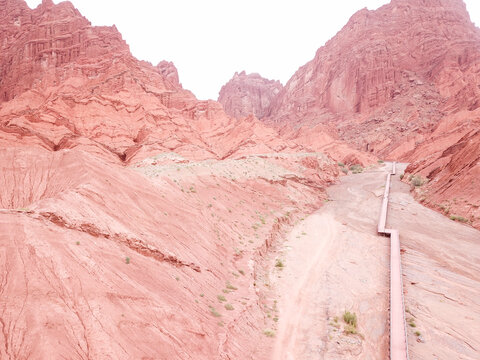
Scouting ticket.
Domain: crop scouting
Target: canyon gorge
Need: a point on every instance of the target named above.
(138, 222)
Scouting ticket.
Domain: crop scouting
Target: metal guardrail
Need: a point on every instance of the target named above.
(398, 328)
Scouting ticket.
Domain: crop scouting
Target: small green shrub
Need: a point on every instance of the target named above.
(417, 333)
(381, 161)
(127, 260)
(214, 312)
(417, 181)
(221, 298)
(341, 164)
(350, 318)
(458, 218)
(345, 170)
(350, 329)
(356, 169)
(279, 264)
(401, 176)
(269, 333)
(230, 286)
(229, 307)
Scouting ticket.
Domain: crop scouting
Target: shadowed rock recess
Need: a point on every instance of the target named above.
(138, 222)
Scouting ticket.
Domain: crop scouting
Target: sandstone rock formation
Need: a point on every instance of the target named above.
(127, 206)
(169, 71)
(393, 81)
(247, 94)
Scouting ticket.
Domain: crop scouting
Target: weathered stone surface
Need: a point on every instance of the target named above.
(400, 82)
(126, 204)
(169, 72)
(247, 94)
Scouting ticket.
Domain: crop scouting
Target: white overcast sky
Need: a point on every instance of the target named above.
(211, 39)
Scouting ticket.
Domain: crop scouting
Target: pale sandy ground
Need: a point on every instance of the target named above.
(335, 261)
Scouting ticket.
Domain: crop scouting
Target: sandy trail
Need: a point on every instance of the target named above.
(335, 261)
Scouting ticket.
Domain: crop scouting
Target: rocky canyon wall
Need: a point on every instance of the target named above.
(247, 94)
(400, 82)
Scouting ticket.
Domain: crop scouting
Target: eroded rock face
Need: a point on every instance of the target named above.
(379, 54)
(169, 71)
(400, 82)
(448, 169)
(247, 94)
(126, 204)
(36, 46)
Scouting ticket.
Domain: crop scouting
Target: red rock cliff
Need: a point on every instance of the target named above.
(248, 94)
(401, 82)
(44, 41)
(379, 53)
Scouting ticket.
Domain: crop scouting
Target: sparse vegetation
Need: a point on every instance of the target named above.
(445, 209)
(214, 312)
(269, 333)
(401, 176)
(356, 169)
(381, 161)
(350, 329)
(458, 218)
(229, 307)
(221, 298)
(345, 170)
(279, 264)
(241, 272)
(78, 243)
(350, 318)
(127, 260)
(341, 164)
(230, 286)
(418, 181)
(417, 333)
(411, 323)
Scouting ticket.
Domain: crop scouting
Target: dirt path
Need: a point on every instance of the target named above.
(335, 261)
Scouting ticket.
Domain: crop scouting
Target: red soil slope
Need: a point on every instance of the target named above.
(128, 208)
